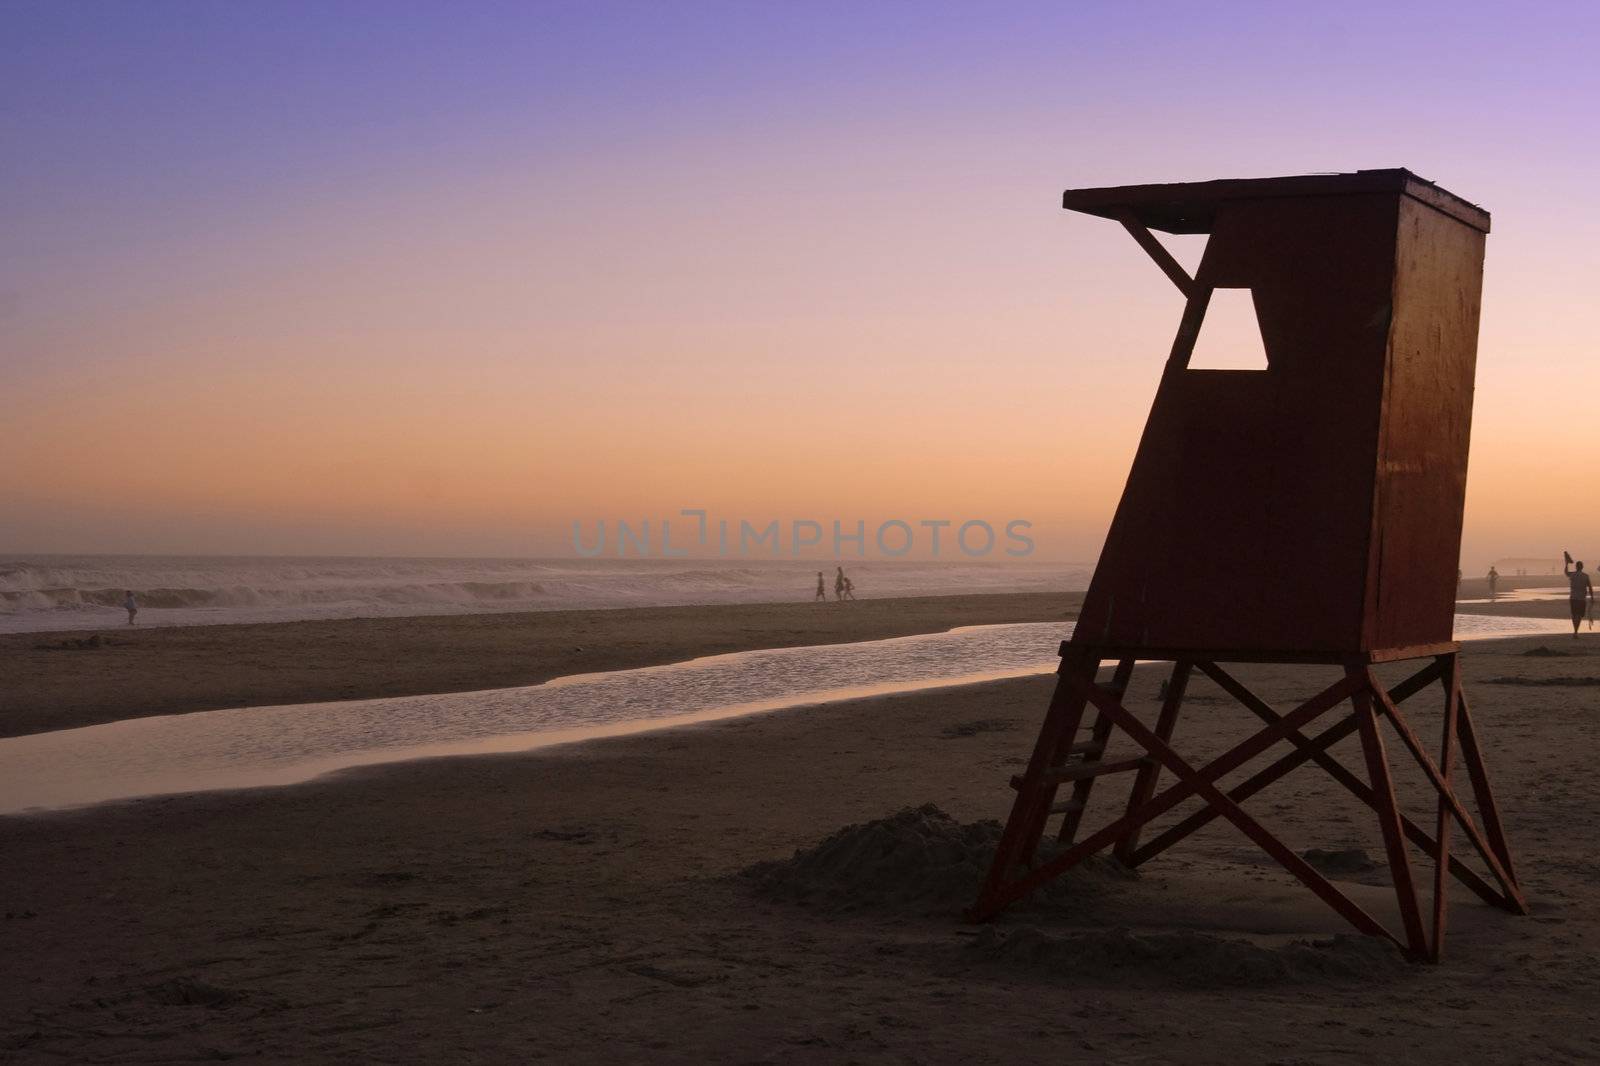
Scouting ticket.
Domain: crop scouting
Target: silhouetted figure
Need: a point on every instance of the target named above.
(1582, 598)
(822, 590)
(849, 589)
(838, 584)
(130, 605)
(1494, 581)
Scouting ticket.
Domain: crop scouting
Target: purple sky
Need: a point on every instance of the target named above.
(328, 244)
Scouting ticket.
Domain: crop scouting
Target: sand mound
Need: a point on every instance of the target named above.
(1544, 652)
(919, 858)
(1185, 958)
(1342, 861)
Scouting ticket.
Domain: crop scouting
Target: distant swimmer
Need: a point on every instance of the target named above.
(822, 590)
(1494, 580)
(838, 584)
(130, 605)
(1582, 597)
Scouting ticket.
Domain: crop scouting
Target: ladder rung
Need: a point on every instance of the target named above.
(1079, 771)
(1086, 749)
(1066, 807)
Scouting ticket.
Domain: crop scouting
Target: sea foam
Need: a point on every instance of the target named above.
(69, 592)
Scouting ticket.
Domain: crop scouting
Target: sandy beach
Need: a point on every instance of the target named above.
(587, 903)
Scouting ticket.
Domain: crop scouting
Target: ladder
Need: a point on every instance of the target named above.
(1060, 759)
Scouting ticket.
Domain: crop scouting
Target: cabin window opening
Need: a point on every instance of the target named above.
(1230, 334)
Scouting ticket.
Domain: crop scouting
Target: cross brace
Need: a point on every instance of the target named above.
(1015, 874)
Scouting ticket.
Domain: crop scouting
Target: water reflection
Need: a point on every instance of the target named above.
(266, 746)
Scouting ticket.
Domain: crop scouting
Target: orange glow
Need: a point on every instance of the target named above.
(865, 304)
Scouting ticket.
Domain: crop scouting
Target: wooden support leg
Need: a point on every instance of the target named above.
(1452, 701)
(1490, 854)
(1478, 772)
(1144, 785)
(1389, 820)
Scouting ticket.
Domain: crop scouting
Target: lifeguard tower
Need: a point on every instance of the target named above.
(1308, 512)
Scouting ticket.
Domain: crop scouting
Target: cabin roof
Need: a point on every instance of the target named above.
(1190, 207)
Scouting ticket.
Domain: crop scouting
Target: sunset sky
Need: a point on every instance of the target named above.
(404, 278)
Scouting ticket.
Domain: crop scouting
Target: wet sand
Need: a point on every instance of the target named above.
(49, 681)
(579, 904)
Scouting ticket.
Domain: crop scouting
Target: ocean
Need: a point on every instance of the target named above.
(55, 592)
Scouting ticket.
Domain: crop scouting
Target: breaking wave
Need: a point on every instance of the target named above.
(66, 592)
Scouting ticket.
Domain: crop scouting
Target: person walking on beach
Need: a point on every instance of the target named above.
(838, 584)
(130, 605)
(822, 590)
(1494, 579)
(849, 589)
(1582, 598)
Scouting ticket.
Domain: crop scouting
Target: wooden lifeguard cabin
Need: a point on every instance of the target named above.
(1308, 512)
